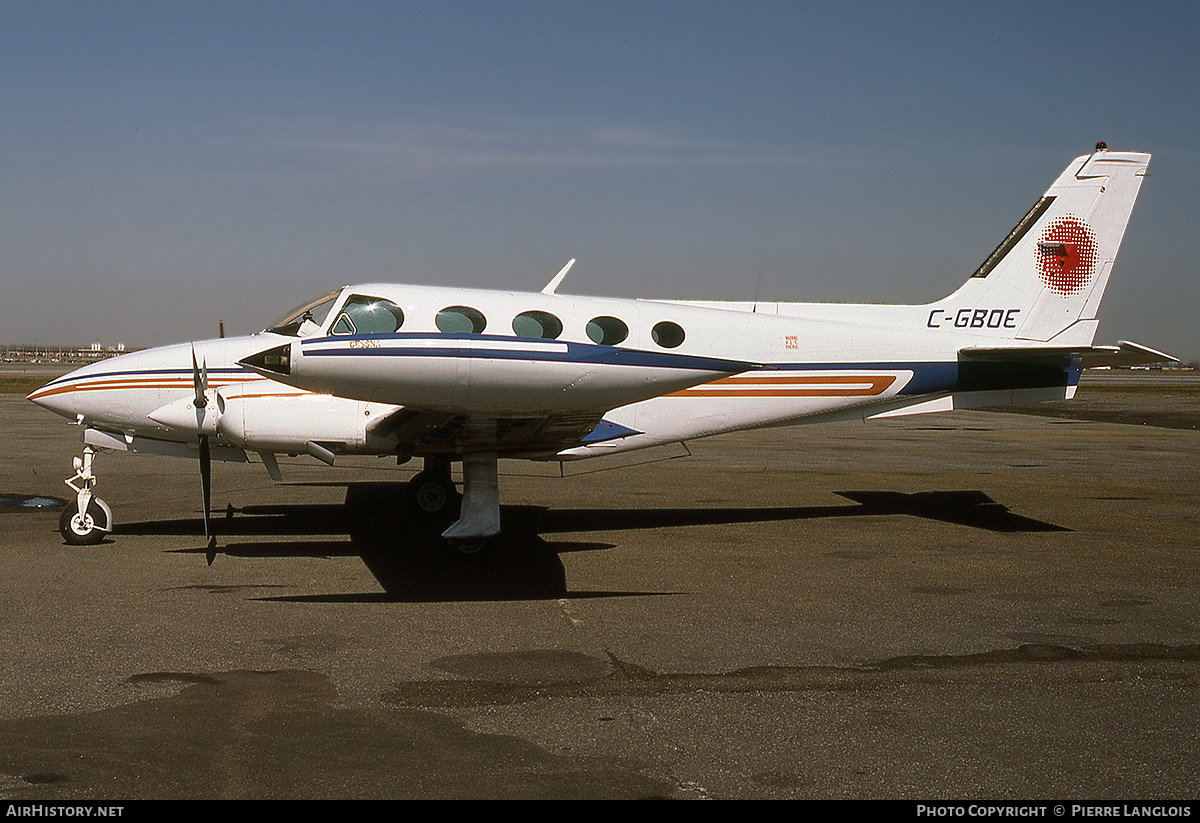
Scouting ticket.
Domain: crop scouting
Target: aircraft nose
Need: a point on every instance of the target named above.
(57, 396)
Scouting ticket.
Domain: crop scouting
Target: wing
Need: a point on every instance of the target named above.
(420, 432)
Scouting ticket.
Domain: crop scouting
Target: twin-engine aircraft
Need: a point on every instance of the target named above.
(447, 374)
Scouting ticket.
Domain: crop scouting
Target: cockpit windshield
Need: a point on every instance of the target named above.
(307, 319)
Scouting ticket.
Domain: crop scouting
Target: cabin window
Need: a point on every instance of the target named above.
(667, 334)
(460, 320)
(368, 315)
(607, 331)
(537, 324)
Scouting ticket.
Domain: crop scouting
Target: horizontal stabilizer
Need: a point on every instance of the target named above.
(1090, 357)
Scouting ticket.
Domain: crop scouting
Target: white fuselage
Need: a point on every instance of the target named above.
(679, 371)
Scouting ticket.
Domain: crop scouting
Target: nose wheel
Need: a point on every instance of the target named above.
(85, 529)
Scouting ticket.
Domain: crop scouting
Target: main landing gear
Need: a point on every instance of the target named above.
(479, 518)
(422, 541)
(85, 521)
(431, 504)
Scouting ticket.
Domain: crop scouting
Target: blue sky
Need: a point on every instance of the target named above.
(166, 166)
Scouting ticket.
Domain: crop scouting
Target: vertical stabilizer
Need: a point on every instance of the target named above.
(1048, 276)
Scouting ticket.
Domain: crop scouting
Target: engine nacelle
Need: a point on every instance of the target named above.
(287, 424)
(183, 414)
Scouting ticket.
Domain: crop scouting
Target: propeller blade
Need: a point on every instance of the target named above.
(206, 493)
(200, 381)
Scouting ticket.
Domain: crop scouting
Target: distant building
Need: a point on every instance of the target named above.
(59, 354)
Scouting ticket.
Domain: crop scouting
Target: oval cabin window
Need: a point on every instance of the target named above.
(667, 334)
(460, 320)
(541, 324)
(607, 331)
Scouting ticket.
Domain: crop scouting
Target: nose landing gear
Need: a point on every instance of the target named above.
(85, 521)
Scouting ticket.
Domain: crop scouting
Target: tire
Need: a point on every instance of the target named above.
(432, 495)
(83, 531)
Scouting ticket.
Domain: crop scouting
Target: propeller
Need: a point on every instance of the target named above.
(200, 382)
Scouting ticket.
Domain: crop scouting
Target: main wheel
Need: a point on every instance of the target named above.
(432, 494)
(87, 529)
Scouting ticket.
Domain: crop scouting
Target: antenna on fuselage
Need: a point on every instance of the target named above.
(553, 284)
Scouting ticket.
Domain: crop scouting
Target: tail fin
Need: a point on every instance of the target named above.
(1047, 278)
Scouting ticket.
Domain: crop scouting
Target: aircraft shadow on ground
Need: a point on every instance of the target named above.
(412, 562)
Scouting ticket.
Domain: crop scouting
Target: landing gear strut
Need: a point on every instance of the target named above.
(85, 521)
(479, 520)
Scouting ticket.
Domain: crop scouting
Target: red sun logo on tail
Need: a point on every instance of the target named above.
(1067, 255)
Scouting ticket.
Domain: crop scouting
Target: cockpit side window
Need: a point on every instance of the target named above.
(368, 315)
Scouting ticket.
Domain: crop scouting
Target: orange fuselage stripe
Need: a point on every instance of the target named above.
(133, 383)
(792, 386)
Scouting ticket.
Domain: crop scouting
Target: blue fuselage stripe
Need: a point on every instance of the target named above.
(450, 345)
(928, 377)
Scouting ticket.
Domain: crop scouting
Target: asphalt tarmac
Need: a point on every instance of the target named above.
(970, 605)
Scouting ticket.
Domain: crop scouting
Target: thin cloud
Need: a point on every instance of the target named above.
(431, 149)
